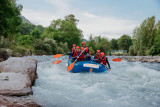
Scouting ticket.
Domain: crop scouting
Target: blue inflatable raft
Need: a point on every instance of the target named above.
(87, 66)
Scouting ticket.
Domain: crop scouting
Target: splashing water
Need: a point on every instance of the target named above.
(129, 84)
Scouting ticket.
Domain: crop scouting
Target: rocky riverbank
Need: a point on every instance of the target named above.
(150, 59)
(17, 75)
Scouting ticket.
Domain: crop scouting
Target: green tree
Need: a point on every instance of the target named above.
(155, 50)
(27, 28)
(98, 43)
(9, 17)
(144, 37)
(64, 46)
(25, 40)
(124, 42)
(64, 31)
(113, 44)
(35, 33)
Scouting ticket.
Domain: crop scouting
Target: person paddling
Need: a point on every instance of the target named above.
(97, 56)
(104, 60)
(72, 51)
(87, 52)
(81, 57)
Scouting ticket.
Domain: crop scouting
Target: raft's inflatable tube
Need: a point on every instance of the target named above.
(87, 66)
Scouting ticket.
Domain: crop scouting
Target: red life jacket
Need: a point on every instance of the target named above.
(75, 53)
(81, 57)
(87, 49)
(103, 60)
(73, 50)
(96, 56)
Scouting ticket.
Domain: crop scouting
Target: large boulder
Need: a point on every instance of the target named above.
(17, 76)
(15, 84)
(6, 101)
(22, 65)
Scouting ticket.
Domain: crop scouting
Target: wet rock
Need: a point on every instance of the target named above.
(6, 101)
(150, 59)
(3, 55)
(21, 73)
(20, 65)
(15, 84)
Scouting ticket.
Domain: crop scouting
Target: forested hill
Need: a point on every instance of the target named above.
(26, 26)
(24, 20)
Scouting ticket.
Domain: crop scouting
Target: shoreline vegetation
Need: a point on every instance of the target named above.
(19, 37)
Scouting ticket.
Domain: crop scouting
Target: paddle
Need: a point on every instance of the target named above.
(56, 62)
(116, 60)
(57, 55)
(69, 68)
(106, 67)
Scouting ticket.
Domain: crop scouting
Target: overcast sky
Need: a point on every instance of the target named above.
(109, 18)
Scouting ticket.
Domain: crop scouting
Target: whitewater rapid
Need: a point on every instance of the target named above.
(129, 84)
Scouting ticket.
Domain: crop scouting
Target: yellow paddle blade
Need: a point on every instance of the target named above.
(57, 55)
(69, 68)
(56, 62)
(116, 60)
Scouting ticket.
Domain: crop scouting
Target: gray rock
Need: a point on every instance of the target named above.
(15, 84)
(20, 65)
(150, 59)
(21, 73)
(6, 101)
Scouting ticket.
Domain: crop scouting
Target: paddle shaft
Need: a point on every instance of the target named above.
(80, 54)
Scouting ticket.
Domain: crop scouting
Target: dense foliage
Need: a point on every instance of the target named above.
(20, 37)
(9, 18)
(64, 31)
(98, 42)
(124, 42)
(146, 38)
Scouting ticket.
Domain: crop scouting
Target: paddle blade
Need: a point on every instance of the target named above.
(116, 60)
(69, 68)
(56, 62)
(57, 55)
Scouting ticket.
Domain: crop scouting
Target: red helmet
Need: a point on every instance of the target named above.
(82, 48)
(74, 45)
(98, 51)
(83, 43)
(102, 54)
(77, 47)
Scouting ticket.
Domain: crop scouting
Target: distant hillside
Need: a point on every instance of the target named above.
(26, 26)
(84, 40)
(24, 20)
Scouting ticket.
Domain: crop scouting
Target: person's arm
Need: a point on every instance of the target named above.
(108, 63)
(99, 60)
(71, 54)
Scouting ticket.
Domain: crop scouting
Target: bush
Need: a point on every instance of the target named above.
(25, 40)
(64, 47)
(91, 50)
(132, 51)
(5, 43)
(48, 46)
(19, 51)
(60, 50)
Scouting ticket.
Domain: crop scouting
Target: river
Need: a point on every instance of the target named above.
(128, 84)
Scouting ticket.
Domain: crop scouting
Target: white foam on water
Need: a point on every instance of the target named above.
(127, 85)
